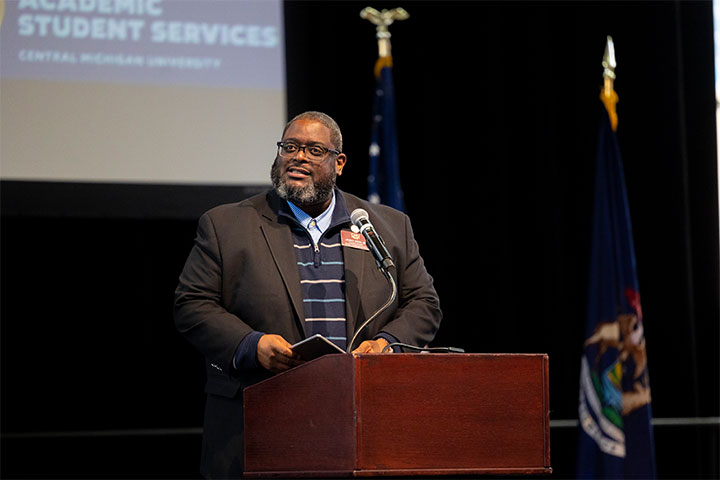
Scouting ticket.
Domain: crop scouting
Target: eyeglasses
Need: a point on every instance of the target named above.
(315, 153)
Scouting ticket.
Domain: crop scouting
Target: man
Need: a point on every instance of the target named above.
(271, 270)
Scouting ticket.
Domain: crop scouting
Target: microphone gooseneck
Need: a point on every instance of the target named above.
(361, 219)
(389, 302)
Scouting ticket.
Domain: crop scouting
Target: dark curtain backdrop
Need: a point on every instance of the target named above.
(498, 112)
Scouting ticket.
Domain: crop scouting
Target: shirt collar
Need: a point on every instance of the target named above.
(320, 223)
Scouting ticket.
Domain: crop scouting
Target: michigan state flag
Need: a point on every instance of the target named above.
(616, 438)
(384, 175)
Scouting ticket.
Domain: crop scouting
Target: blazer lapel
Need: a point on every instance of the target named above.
(280, 242)
(355, 261)
(354, 269)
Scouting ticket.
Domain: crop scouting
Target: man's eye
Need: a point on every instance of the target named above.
(316, 151)
(290, 147)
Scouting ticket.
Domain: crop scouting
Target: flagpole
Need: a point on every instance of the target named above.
(383, 172)
(382, 20)
(608, 95)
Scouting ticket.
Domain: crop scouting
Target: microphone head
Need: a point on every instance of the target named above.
(359, 214)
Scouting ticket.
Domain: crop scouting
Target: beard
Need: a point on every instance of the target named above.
(313, 193)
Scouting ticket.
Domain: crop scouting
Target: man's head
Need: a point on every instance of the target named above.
(308, 161)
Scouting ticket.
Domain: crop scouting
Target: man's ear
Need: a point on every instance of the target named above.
(340, 163)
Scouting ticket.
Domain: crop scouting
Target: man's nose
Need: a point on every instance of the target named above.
(304, 155)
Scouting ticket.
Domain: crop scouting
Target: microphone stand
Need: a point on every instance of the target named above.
(393, 295)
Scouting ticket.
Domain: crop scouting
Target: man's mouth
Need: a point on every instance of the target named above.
(298, 172)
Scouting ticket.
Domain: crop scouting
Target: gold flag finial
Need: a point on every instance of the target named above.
(608, 95)
(382, 20)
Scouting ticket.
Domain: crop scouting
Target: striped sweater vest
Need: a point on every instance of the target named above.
(322, 278)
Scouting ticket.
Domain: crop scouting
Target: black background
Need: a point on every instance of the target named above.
(498, 112)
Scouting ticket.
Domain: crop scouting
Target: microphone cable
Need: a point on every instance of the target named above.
(423, 349)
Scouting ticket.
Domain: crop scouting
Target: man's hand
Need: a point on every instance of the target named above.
(274, 354)
(372, 346)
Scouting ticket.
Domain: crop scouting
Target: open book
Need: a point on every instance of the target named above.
(314, 347)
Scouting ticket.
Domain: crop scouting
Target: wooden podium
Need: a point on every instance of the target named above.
(400, 415)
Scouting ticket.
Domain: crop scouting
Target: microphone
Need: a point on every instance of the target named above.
(360, 219)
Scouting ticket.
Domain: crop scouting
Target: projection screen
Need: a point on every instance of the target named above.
(141, 91)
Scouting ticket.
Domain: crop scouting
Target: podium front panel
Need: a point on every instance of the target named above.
(454, 412)
(303, 421)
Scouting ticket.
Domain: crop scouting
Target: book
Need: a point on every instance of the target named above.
(314, 347)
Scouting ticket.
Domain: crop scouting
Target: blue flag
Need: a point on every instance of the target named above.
(384, 176)
(616, 438)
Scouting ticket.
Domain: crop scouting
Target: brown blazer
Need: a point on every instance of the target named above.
(241, 276)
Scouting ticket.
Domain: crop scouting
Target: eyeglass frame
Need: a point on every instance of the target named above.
(280, 145)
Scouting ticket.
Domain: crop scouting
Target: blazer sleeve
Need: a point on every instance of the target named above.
(198, 311)
(418, 315)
